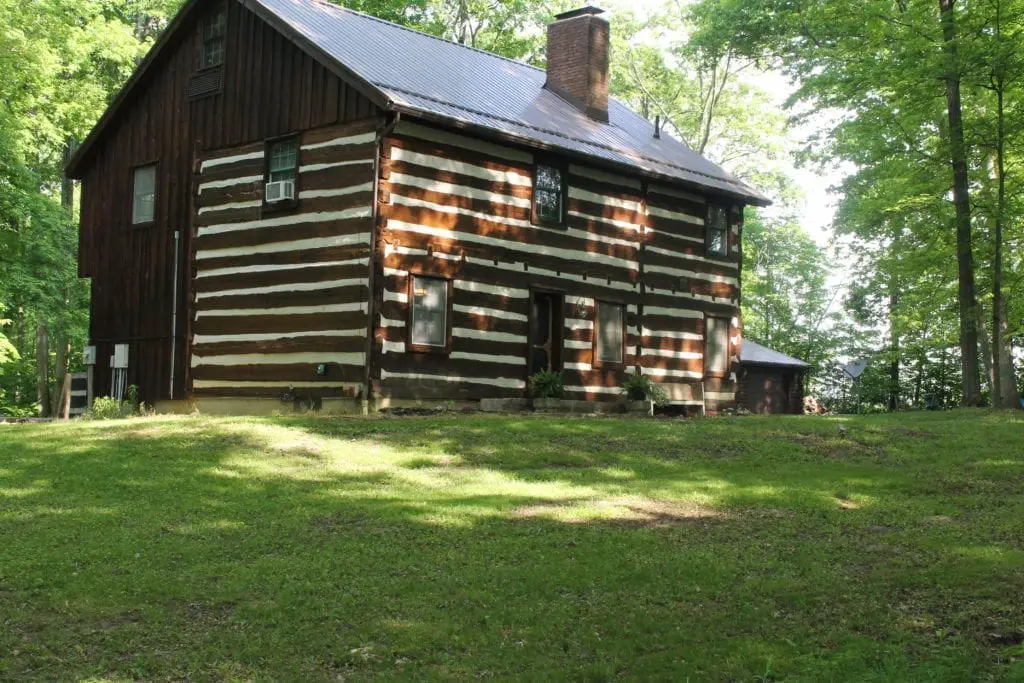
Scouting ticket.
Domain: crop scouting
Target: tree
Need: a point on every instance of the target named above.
(875, 68)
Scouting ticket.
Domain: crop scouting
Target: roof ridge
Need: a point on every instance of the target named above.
(424, 33)
(591, 143)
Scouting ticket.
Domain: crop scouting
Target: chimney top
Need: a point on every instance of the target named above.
(578, 44)
(579, 12)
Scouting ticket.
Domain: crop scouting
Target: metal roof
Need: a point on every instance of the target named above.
(753, 353)
(423, 75)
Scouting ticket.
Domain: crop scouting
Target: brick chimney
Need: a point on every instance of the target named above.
(578, 43)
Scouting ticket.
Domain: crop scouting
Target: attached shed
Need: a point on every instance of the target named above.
(770, 382)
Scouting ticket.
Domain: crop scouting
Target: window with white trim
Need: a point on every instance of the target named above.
(429, 311)
(716, 351)
(717, 225)
(215, 30)
(610, 333)
(282, 160)
(144, 194)
(548, 192)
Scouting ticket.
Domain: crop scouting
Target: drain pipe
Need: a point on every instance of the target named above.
(174, 309)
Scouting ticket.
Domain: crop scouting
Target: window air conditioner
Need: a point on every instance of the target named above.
(280, 191)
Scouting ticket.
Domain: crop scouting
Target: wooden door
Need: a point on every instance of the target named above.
(545, 332)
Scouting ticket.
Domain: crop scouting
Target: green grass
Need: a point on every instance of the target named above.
(526, 548)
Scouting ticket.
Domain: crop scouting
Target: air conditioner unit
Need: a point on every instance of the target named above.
(280, 191)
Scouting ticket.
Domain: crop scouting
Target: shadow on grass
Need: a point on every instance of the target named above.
(309, 548)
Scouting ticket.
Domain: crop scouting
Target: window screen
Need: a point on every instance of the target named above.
(609, 333)
(547, 194)
(214, 32)
(718, 231)
(716, 359)
(429, 312)
(144, 194)
(283, 160)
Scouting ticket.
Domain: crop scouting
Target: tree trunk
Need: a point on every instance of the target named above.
(1009, 395)
(894, 351)
(962, 201)
(42, 371)
(1004, 379)
(919, 381)
(67, 185)
(984, 349)
(60, 369)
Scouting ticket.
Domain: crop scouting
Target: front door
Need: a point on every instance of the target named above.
(545, 328)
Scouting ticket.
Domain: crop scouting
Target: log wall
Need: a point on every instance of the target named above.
(278, 293)
(460, 208)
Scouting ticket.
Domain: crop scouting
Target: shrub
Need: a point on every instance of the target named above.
(547, 384)
(640, 388)
(107, 408)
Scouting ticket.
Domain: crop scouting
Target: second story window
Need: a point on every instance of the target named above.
(214, 37)
(144, 195)
(548, 195)
(717, 224)
(282, 160)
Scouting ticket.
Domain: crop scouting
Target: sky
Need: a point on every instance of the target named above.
(819, 203)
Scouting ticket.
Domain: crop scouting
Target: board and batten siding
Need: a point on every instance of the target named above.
(140, 274)
(276, 293)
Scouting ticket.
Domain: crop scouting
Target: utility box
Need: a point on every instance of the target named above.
(120, 358)
(89, 355)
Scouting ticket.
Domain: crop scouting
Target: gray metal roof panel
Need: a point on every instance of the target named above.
(422, 73)
(753, 353)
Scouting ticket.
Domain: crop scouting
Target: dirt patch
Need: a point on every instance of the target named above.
(840, 446)
(914, 433)
(938, 519)
(126, 617)
(637, 512)
(208, 614)
(338, 522)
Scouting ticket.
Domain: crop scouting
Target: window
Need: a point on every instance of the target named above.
(144, 194)
(716, 351)
(610, 338)
(547, 195)
(429, 314)
(214, 36)
(717, 225)
(282, 160)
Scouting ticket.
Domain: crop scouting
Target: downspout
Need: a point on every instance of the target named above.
(174, 308)
(383, 132)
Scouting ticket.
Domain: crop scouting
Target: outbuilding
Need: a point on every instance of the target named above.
(770, 383)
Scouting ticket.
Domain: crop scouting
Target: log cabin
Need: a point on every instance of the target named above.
(292, 201)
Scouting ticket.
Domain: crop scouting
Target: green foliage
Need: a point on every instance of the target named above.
(547, 384)
(60, 63)
(108, 408)
(870, 74)
(639, 387)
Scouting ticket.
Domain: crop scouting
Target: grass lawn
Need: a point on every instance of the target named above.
(306, 548)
